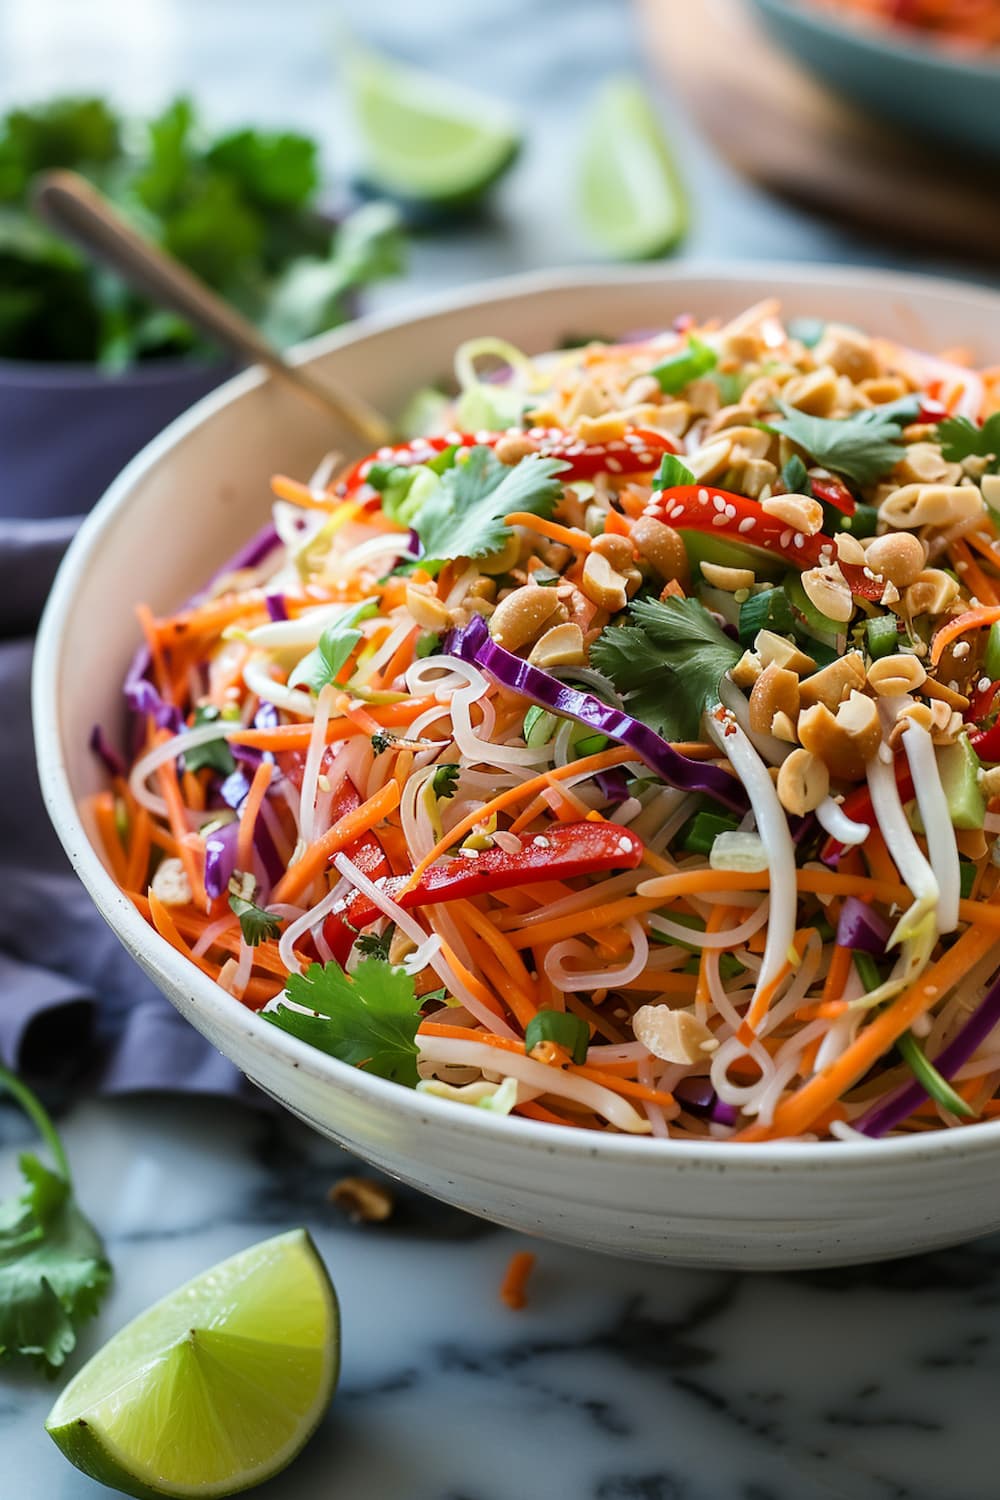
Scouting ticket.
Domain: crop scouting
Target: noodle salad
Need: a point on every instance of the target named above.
(619, 751)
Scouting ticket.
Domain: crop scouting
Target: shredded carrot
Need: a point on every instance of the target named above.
(837, 975)
(249, 813)
(515, 1280)
(973, 619)
(171, 793)
(569, 536)
(104, 816)
(298, 736)
(796, 1115)
(300, 876)
(972, 575)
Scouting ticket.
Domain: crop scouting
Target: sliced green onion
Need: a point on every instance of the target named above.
(808, 331)
(863, 520)
(703, 830)
(591, 744)
(867, 970)
(679, 370)
(672, 471)
(966, 878)
(991, 660)
(744, 852)
(428, 644)
(930, 1080)
(882, 635)
(561, 1027)
(768, 610)
(539, 726)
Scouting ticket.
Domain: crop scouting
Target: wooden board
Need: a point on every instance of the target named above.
(774, 122)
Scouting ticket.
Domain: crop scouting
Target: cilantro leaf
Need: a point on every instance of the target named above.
(53, 1269)
(216, 754)
(667, 662)
(960, 438)
(445, 780)
(256, 924)
(463, 516)
(374, 944)
(368, 1019)
(325, 662)
(861, 447)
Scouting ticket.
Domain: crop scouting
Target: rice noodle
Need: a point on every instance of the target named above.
(834, 821)
(936, 817)
(570, 980)
(556, 1081)
(773, 826)
(728, 937)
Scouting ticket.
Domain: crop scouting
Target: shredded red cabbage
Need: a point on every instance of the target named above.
(699, 1097)
(142, 697)
(613, 785)
(473, 643)
(899, 1105)
(106, 752)
(276, 606)
(220, 859)
(861, 927)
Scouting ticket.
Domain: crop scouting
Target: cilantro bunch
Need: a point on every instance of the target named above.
(241, 209)
(53, 1270)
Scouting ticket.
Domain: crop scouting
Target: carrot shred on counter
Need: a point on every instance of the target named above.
(513, 1287)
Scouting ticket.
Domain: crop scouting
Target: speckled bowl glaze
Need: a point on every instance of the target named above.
(186, 502)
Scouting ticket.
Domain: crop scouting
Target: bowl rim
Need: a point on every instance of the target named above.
(422, 1109)
(878, 40)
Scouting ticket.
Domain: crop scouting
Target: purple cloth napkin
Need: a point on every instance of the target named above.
(73, 1004)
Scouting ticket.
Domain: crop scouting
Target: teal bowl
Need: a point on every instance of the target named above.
(931, 91)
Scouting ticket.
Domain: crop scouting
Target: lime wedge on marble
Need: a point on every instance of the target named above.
(631, 198)
(217, 1387)
(425, 138)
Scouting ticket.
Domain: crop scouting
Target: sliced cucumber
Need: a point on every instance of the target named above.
(701, 547)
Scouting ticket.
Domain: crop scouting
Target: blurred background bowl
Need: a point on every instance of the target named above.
(937, 92)
(186, 503)
(67, 430)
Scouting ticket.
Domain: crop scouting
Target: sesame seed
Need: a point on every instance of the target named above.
(719, 503)
(747, 524)
(615, 465)
(720, 520)
(785, 537)
(798, 539)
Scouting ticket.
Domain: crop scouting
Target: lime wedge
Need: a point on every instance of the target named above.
(217, 1387)
(426, 138)
(631, 197)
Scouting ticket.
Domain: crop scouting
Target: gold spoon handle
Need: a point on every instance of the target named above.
(74, 208)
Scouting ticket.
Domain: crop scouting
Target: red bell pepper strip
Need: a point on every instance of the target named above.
(699, 507)
(637, 451)
(833, 491)
(980, 704)
(367, 853)
(566, 849)
(987, 744)
(857, 805)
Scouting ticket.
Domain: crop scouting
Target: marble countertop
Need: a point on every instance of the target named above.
(618, 1381)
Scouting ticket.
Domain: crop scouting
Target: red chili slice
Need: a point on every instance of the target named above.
(563, 851)
(834, 492)
(690, 507)
(637, 451)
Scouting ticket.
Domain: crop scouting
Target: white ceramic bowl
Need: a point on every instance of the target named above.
(185, 503)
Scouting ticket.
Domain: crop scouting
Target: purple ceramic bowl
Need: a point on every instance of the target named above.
(67, 430)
